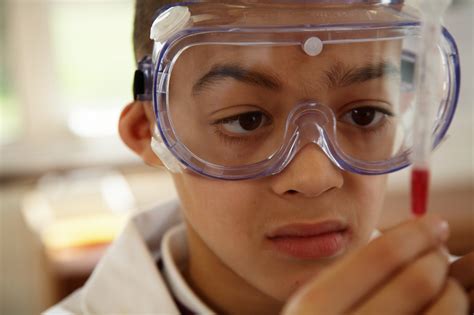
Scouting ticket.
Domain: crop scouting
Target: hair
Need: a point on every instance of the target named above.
(144, 14)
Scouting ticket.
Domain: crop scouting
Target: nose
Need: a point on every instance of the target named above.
(310, 174)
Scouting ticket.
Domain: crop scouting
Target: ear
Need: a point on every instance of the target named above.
(135, 128)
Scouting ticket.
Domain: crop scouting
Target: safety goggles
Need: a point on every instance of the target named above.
(240, 87)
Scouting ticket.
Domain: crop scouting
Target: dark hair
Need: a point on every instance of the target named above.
(144, 12)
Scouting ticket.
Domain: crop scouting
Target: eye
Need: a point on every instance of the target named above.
(365, 117)
(244, 123)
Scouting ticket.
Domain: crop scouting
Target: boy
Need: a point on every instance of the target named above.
(271, 127)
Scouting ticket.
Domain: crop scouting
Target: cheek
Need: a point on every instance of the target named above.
(219, 211)
(368, 192)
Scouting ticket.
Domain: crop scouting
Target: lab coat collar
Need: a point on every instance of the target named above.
(127, 279)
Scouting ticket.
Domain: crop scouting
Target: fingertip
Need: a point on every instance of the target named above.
(438, 226)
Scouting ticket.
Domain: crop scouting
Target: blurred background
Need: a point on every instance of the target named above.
(67, 183)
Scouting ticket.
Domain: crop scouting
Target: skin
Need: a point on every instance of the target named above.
(237, 222)
(425, 263)
(231, 266)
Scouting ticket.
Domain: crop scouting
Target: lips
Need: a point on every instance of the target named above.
(310, 241)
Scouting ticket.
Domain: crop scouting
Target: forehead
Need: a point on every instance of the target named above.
(288, 63)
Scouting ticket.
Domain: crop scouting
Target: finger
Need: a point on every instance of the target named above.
(471, 300)
(412, 289)
(463, 271)
(453, 300)
(346, 283)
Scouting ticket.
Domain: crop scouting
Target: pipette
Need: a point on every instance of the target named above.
(427, 75)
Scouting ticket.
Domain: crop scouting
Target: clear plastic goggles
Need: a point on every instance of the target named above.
(238, 89)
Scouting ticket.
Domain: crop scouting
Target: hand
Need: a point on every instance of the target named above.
(463, 271)
(402, 272)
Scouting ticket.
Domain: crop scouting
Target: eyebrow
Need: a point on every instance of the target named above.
(223, 71)
(339, 75)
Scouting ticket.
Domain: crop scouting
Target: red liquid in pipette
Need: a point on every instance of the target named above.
(419, 190)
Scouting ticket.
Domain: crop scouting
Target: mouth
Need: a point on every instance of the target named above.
(310, 240)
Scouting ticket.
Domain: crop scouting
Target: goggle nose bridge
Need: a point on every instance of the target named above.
(310, 120)
(312, 123)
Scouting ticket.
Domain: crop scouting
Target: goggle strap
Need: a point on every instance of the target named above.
(143, 80)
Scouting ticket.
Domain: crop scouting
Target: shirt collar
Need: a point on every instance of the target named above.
(174, 253)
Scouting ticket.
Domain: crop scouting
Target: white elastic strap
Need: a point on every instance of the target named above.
(162, 152)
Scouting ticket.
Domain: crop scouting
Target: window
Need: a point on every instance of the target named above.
(65, 74)
(91, 42)
(10, 122)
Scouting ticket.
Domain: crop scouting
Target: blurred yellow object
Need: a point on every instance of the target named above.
(82, 231)
(78, 209)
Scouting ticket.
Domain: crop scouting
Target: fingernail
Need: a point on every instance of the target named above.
(444, 230)
(441, 228)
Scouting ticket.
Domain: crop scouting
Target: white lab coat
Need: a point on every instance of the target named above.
(127, 279)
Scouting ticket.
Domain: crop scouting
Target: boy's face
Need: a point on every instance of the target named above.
(264, 229)
(235, 219)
